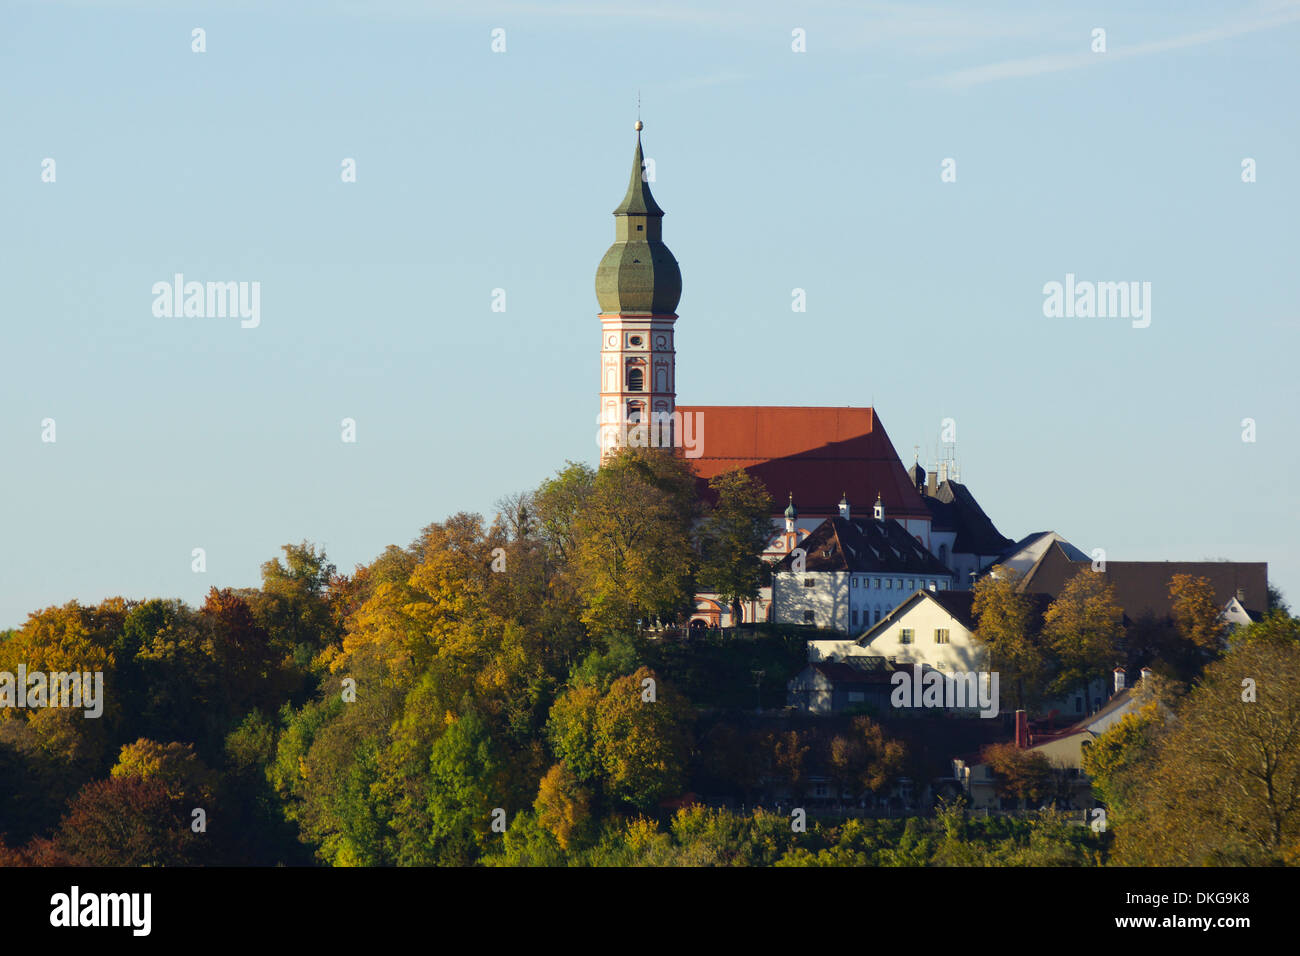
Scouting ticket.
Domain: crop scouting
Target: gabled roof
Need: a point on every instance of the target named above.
(1031, 548)
(958, 604)
(954, 508)
(1123, 699)
(865, 545)
(816, 454)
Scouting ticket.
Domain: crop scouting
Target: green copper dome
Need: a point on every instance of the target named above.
(638, 274)
(790, 511)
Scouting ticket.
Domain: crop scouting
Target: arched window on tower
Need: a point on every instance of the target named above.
(634, 412)
(635, 380)
(943, 555)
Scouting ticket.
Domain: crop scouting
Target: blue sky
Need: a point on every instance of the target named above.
(479, 170)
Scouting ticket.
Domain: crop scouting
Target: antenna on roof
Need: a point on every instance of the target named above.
(947, 456)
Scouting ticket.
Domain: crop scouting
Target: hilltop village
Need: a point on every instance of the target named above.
(880, 562)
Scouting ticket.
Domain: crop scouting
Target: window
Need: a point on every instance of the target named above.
(877, 584)
(932, 587)
(943, 553)
(877, 613)
(856, 697)
(855, 617)
(911, 584)
(941, 635)
(635, 379)
(809, 617)
(635, 340)
(820, 789)
(905, 636)
(809, 582)
(900, 584)
(889, 582)
(640, 228)
(855, 581)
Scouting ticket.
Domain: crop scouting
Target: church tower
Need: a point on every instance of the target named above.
(638, 286)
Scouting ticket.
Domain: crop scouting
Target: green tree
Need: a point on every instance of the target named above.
(464, 790)
(733, 536)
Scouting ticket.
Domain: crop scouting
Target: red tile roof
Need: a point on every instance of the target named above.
(818, 454)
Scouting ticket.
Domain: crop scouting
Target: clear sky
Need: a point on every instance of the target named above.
(777, 169)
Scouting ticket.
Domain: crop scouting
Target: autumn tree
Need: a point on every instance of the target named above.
(1116, 759)
(1082, 628)
(634, 557)
(864, 758)
(1021, 774)
(175, 764)
(1195, 612)
(643, 732)
(1007, 629)
(787, 759)
(563, 806)
(1222, 786)
(1277, 628)
(733, 536)
(633, 740)
(131, 821)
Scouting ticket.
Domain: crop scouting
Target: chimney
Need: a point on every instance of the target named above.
(1119, 679)
(1022, 730)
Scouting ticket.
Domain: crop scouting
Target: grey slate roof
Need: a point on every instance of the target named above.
(865, 545)
(954, 508)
